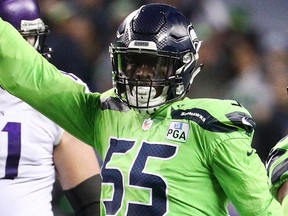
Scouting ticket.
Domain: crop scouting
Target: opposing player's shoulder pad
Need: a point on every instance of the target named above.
(277, 165)
(76, 79)
(215, 115)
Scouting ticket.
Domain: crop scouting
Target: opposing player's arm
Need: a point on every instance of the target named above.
(78, 171)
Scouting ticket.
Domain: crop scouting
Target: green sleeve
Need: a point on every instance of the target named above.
(242, 176)
(277, 165)
(285, 206)
(29, 76)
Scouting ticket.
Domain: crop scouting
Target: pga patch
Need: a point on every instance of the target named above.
(178, 131)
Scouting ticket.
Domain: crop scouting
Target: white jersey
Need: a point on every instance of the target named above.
(27, 173)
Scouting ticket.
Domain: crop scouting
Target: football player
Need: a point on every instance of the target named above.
(277, 169)
(164, 154)
(32, 146)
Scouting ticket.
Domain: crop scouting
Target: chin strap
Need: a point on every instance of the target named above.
(148, 111)
(195, 73)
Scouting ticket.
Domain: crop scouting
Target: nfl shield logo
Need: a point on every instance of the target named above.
(147, 124)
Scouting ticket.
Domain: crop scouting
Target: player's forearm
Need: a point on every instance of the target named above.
(85, 197)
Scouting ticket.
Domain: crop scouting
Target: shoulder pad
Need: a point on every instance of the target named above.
(215, 115)
(205, 120)
(111, 102)
(242, 120)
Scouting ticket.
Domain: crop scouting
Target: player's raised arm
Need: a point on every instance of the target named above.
(28, 75)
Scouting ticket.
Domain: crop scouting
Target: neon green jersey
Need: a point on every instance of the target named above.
(284, 205)
(277, 166)
(188, 158)
(277, 169)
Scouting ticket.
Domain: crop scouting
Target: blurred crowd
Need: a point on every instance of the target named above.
(240, 62)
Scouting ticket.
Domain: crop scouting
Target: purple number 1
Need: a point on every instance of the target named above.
(14, 149)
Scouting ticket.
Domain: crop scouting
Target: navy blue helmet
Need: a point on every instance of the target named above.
(161, 37)
(25, 16)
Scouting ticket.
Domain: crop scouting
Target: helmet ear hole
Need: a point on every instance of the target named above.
(188, 57)
(179, 90)
(32, 40)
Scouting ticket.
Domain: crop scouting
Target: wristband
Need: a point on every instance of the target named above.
(85, 197)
